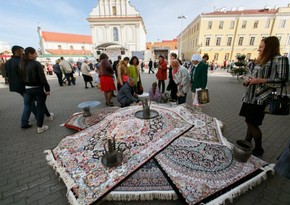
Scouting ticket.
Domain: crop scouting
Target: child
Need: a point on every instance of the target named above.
(154, 93)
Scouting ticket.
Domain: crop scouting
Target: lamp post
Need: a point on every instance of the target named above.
(180, 46)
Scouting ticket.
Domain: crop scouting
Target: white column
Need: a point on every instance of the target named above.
(137, 37)
(107, 31)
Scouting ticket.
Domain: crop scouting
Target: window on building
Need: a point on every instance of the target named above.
(216, 57)
(83, 48)
(115, 34)
(207, 41)
(59, 46)
(195, 42)
(229, 42)
(194, 28)
(244, 24)
(282, 23)
(252, 41)
(227, 56)
(241, 39)
(197, 27)
(209, 25)
(114, 10)
(218, 41)
(232, 25)
(256, 24)
(71, 47)
(248, 56)
(268, 23)
(221, 25)
(288, 40)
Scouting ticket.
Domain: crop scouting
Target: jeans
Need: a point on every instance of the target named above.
(161, 83)
(59, 77)
(38, 95)
(27, 109)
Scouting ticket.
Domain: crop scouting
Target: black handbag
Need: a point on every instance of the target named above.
(139, 87)
(279, 104)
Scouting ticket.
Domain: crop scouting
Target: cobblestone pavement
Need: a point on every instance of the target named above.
(26, 178)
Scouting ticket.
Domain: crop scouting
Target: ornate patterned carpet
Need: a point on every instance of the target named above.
(79, 122)
(180, 153)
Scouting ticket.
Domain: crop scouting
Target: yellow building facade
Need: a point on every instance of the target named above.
(224, 34)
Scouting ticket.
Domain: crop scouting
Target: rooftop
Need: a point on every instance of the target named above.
(65, 37)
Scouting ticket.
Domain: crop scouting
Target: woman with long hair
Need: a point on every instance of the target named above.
(106, 74)
(134, 71)
(269, 74)
(122, 72)
(162, 73)
(36, 85)
(87, 76)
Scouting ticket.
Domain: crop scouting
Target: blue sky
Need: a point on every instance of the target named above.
(20, 18)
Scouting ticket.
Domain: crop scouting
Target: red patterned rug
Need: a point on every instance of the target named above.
(79, 122)
(77, 158)
(180, 151)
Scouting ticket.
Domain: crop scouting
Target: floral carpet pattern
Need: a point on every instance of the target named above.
(200, 169)
(145, 184)
(79, 122)
(77, 158)
(179, 153)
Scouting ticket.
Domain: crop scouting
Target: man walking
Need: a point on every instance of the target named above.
(150, 65)
(67, 69)
(16, 85)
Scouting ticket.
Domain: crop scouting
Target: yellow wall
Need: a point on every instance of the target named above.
(195, 34)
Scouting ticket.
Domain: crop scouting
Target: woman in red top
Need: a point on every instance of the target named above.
(106, 73)
(162, 73)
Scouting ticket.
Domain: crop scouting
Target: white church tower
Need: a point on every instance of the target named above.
(117, 29)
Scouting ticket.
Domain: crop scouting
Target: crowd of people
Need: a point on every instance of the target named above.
(26, 76)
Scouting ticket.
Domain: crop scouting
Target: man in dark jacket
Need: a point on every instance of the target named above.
(16, 85)
(150, 65)
(126, 94)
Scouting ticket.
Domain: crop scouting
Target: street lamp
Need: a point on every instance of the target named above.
(180, 46)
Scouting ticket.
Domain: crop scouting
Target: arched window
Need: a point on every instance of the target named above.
(114, 10)
(115, 34)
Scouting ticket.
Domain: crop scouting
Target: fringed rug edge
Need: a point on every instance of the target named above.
(244, 187)
(141, 196)
(68, 181)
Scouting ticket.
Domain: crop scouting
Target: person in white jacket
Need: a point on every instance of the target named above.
(85, 69)
(182, 79)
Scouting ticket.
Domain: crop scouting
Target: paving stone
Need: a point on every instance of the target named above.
(28, 179)
(38, 196)
(53, 197)
(39, 181)
(7, 200)
(26, 193)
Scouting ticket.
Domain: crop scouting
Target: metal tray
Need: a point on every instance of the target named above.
(153, 114)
